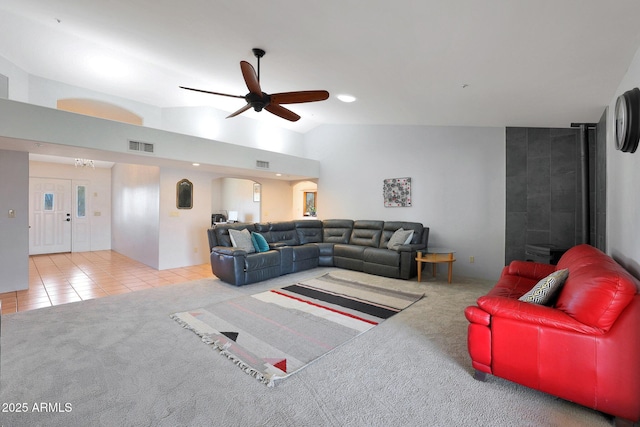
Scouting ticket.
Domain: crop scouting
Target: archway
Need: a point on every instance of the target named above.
(305, 199)
(100, 109)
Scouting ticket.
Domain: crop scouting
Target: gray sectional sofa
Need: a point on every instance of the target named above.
(301, 245)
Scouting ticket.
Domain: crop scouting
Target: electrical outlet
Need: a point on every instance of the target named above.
(472, 259)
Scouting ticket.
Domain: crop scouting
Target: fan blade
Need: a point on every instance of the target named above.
(240, 111)
(280, 111)
(250, 77)
(299, 97)
(212, 93)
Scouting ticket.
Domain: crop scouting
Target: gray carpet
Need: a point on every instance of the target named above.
(122, 361)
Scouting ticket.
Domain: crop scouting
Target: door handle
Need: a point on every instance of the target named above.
(68, 219)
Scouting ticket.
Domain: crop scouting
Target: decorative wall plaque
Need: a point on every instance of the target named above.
(396, 192)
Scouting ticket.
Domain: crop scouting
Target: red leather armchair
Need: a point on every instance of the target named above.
(585, 348)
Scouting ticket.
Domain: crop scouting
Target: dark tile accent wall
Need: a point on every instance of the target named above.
(543, 188)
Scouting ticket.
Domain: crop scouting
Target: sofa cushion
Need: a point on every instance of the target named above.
(348, 256)
(597, 289)
(283, 232)
(596, 295)
(529, 269)
(267, 260)
(544, 291)
(366, 233)
(221, 233)
(511, 286)
(349, 251)
(304, 252)
(241, 239)
(336, 230)
(390, 227)
(382, 257)
(309, 231)
(400, 237)
(259, 242)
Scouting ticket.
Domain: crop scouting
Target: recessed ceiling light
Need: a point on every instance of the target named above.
(345, 97)
(278, 174)
(195, 164)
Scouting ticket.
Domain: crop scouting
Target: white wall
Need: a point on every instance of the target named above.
(183, 232)
(216, 195)
(46, 93)
(237, 195)
(211, 123)
(98, 192)
(458, 184)
(276, 200)
(65, 129)
(14, 244)
(201, 121)
(623, 179)
(136, 212)
(18, 80)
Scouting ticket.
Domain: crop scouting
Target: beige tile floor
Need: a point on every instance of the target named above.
(62, 278)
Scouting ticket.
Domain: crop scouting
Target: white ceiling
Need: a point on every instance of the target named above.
(526, 62)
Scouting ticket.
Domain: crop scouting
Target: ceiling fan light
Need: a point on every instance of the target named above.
(346, 97)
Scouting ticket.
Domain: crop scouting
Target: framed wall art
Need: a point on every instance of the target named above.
(396, 192)
(184, 194)
(309, 201)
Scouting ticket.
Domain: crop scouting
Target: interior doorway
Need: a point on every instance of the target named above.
(239, 199)
(49, 216)
(305, 200)
(59, 216)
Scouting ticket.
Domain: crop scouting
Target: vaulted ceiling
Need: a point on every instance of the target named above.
(424, 62)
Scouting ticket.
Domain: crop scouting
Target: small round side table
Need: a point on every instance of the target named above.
(435, 256)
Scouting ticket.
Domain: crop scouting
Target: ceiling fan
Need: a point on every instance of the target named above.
(258, 100)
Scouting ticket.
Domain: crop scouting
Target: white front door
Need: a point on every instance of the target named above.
(49, 215)
(80, 221)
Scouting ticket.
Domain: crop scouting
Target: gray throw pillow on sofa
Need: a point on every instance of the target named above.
(543, 292)
(400, 237)
(242, 240)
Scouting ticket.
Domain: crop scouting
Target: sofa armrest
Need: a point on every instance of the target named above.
(530, 269)
(228, 264)
(277, 245)
(410, 248)
(231, 251)
(509, 308)
(477, 315)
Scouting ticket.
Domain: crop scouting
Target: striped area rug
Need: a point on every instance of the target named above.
(273, 334)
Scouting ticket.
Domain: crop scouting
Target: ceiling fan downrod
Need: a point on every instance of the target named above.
(259, 53)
